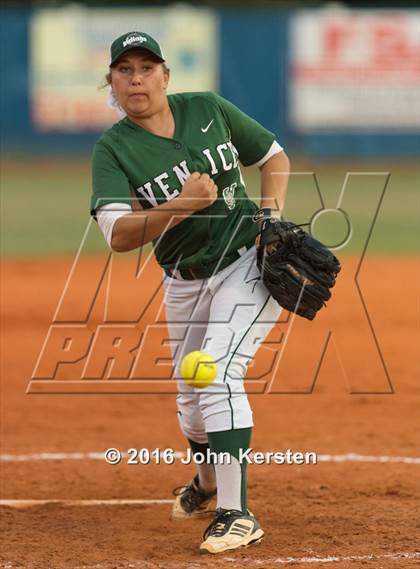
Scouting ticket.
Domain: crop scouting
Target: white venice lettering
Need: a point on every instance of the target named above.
(209, 157)
(235, 153)
(147, 192)
(220, 148)
(164, 187)
(181, 172)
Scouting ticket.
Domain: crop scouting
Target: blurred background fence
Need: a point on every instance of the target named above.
(339, 86)
(329, 81)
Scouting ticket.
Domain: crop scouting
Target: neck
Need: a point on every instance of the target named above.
(161, 123)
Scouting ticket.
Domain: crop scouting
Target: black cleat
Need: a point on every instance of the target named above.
(191, 500)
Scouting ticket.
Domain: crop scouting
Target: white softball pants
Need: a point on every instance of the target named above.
(227, 315)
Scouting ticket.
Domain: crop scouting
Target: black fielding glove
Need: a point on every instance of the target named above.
(297, 269)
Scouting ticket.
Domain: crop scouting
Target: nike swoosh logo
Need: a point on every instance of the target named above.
(207, 127)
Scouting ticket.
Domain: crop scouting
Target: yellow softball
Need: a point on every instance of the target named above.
(198, 369)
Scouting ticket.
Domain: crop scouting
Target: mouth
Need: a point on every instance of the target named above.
(137, 96)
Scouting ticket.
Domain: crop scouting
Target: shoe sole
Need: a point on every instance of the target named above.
(179, 516)
(255, 541)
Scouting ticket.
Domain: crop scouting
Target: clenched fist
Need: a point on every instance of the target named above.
(199, 191)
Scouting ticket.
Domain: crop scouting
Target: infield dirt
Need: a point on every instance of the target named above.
(331, 509)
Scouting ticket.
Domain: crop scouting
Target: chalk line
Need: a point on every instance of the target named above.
(235, 562)
(355, 457)
(326, 559)
(112, 502)
(348, 457)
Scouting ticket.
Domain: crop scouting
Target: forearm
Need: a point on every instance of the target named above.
(274, 180)
(141, 227)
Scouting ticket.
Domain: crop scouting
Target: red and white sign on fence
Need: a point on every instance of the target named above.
(355, 69)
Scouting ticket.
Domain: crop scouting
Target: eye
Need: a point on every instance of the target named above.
(124, 69)
(147, 67)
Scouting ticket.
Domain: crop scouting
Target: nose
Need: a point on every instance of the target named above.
(136, 79)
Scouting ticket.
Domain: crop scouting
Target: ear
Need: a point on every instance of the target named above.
(166, 77)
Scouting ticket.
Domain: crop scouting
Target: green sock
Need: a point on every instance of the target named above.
(231, 442)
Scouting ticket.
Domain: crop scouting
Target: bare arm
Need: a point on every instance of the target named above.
(274, 180)
(140, 227)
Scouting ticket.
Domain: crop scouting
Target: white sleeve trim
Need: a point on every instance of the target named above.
(108, 214)
(275, 148)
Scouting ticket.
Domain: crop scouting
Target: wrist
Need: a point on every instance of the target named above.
(261, 215)
(183, 204)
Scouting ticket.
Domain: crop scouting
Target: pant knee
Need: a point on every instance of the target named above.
(190, 419)
(226, 411)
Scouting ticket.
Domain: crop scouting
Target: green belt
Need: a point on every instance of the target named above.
(204, 272)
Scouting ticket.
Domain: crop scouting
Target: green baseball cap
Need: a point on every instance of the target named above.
(133, 40)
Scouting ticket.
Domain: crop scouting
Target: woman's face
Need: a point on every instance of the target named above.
(139, 84)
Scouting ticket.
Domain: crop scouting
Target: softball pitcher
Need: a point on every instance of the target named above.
(169, 173)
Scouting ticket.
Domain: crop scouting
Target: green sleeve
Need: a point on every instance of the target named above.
(110, 184)
(251, 140)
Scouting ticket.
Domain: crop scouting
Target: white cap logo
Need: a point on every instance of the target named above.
(134, 39)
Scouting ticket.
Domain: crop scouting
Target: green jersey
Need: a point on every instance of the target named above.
(211, 135)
